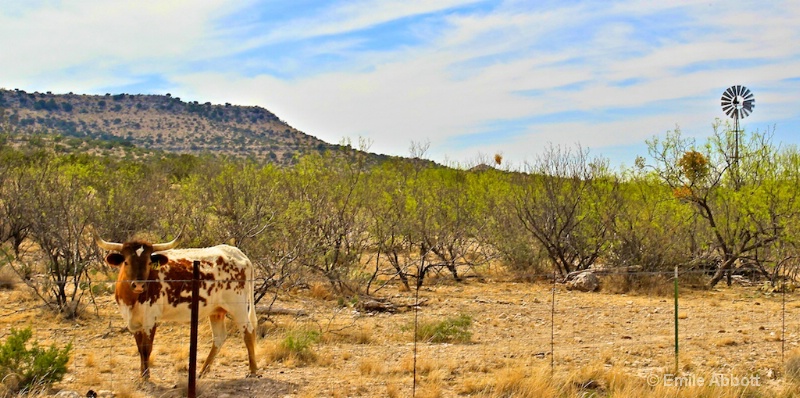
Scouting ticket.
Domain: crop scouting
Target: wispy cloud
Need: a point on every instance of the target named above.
(336, 19)
(101, 43)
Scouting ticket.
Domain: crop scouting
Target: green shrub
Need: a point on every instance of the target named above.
(450, 330)
(298, 341)
(298, 345)
(29, 365)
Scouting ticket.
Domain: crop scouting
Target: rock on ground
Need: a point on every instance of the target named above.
(584, 282)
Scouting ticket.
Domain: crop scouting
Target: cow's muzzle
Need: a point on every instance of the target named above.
(138, 286)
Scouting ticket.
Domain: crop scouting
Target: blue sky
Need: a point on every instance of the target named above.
(471, 78)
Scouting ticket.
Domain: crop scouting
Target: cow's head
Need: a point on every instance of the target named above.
(135, 259)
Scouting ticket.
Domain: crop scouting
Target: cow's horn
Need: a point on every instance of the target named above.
(113, 246)
(158, 247)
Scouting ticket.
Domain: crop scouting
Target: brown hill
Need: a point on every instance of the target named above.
(154, 122)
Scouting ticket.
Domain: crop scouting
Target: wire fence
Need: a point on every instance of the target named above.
(749, 329)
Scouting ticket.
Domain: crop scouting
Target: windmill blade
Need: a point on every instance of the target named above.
(744, 113)
(748, 102)
(726, 97)
(728, 109)
(729, 93)
(726, 100)
(738, 90)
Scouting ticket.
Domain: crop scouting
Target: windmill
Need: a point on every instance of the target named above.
(737, 102)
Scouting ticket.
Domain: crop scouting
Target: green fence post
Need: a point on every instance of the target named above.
(676, 320)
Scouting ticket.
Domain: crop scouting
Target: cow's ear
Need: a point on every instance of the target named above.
(115, 259)
(158, 260)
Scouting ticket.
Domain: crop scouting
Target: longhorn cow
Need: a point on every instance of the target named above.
(154, 285)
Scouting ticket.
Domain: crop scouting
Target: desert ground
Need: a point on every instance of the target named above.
(528, 339)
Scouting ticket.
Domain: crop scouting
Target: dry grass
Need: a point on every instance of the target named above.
(605, 345)
(602, 381)
(512, 382)
(392, 390)
(793, 366)
(371, 367)
(773, 337)
(429, 390)
(656, 285)
(179, 356)
(349, 334)
(725, 342)
(406, 366)
(320, 291)
(8, 278)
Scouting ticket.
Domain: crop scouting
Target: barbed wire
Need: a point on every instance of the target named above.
(567, 336)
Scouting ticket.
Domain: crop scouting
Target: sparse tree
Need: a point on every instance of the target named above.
(326, 207)
(241, 197)
(652, 232)
(568, 203)
(387, 215)
(131, 198)
(61, 205)
(746, 202)
(16, 183)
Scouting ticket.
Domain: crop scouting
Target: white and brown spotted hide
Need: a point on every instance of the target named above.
(154, 285)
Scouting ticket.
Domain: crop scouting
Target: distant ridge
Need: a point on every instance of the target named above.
(156, 122)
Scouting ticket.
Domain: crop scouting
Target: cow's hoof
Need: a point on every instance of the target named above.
(253, 376)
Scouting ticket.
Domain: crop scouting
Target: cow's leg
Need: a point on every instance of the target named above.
(247, 322)
(250, 338)
(250, 343)
(217, 319)
(144, 342)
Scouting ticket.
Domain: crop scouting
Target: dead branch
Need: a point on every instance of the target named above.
(384, 305)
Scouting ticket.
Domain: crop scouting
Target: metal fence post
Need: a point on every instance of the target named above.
(192, 387)
(553, 327)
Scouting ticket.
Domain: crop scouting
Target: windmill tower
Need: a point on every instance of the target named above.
(737, 102)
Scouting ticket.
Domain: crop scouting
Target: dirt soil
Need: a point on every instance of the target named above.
(731, 331)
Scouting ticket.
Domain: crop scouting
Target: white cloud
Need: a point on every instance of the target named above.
(109, 38)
